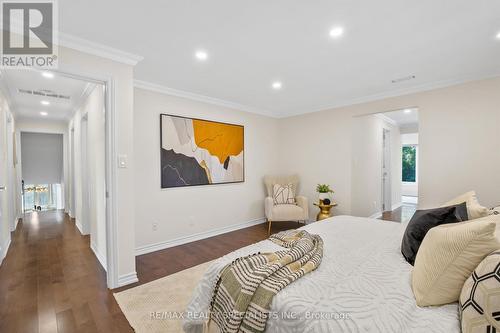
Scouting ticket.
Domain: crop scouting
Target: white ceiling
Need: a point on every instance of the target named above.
(252, 43)
(403, 118)
(28, 106)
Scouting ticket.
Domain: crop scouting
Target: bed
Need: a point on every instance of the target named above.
(362, 285)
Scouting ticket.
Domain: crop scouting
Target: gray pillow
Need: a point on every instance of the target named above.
(423, 221)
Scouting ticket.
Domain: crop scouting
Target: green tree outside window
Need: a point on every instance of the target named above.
(409, 164)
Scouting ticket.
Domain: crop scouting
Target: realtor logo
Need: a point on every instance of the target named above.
(29, 31)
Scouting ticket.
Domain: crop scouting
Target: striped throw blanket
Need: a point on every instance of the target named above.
(245, 288)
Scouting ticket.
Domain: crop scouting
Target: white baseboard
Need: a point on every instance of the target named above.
(195, 237)
(79, 226)
(125, 279)
(16, 221)
(4, 250)
(376, 215)
(102, 259)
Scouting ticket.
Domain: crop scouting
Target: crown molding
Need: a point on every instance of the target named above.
(399, 92)
(199, 98)
(89, 87)
(97, 49)
(4, 88)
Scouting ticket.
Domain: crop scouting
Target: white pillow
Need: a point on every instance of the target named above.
(447, 257)
(283, 194)
(474, 209)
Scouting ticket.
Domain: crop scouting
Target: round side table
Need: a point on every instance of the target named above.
(324, 210)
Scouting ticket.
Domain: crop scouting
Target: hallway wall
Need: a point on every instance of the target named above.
(92, 221)
(122, 93)
(8, 215)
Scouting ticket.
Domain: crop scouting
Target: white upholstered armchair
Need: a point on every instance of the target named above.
(284, 212)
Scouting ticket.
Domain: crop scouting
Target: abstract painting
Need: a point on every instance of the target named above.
(200, 152)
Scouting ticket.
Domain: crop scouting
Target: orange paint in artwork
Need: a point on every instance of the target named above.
(221, 140)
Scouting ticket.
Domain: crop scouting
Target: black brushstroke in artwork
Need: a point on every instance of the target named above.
(226, 163)
(180, 170)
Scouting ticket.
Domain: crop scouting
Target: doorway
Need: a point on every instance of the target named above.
(57, 102)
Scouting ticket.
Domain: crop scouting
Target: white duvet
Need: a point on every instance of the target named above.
(362, 285)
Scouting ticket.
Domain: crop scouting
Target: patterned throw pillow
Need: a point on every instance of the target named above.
(480, 298)
(283, 194)
(495, 211)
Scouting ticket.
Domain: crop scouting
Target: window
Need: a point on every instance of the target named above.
(410, 164)
(47, 196)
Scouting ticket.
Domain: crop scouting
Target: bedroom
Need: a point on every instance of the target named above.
(286, 82)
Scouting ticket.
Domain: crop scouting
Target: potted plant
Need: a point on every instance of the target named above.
(324, 191)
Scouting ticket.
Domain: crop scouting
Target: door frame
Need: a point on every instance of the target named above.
(111, 168)
(84, 174)
(386, 170)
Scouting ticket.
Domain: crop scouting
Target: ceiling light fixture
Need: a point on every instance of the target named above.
(277, 85)
(43, 113)
(408, 111)
(201, 55)
(498, 35)
(401, 79)
(45, 102)
(48, 75)
(336, 32)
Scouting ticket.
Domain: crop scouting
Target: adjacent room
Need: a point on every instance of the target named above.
(234, 167)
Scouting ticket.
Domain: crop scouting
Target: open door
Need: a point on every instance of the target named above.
(386, 171)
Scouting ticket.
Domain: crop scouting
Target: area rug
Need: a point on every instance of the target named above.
(156, 306)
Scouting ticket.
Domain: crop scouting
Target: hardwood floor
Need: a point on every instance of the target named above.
(51, 280)
(402, 214)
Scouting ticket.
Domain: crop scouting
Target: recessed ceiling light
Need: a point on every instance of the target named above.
(498, 35)
(277, 85)
(48, 75)
(201, 55)
(408, 111)
(45, 102)
(401, 79)
(336, 32)
(43, 113)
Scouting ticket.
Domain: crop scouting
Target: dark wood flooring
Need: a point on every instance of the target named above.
(51, 281)
(402, 214)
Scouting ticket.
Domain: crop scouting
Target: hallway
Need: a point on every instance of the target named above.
(51, 281)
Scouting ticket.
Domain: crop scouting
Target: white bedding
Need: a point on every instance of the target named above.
(362, 276)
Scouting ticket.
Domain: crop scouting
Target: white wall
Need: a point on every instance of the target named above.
(409, 138)
(366, 173)
(187, 211)
(121, 76)
(89, 172)
(8, 171)
(459, 143)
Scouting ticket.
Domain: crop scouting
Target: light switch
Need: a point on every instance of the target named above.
(122, 161)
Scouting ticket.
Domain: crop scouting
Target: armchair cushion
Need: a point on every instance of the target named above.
(287, 213)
